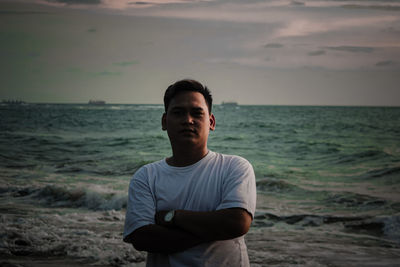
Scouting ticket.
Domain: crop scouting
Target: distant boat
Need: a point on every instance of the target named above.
(97, 102)
(13, 102)
(229, 104)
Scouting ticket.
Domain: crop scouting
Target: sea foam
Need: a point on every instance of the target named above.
(54, 196)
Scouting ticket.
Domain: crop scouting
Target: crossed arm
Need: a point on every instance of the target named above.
(189, 229)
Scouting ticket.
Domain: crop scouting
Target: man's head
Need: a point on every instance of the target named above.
(187, 85)
(188, 118)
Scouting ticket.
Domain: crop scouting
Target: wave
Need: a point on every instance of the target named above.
(332, 199)
(54, 196)
(387, 227)
(120, 167)
(118, 142)
(354, 200)
(278, 186)
(232, 138)
(383, 172)
(13, 161)
(362, 156)
(303, 219)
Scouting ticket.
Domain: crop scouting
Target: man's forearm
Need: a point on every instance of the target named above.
(189, 229)
(214, 225)
(160, 239)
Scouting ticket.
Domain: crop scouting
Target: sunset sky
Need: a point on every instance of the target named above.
(314, 52)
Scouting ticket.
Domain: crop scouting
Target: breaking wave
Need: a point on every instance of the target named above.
(387, 227)
(54, 196)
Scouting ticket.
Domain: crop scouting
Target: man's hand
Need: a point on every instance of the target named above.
(190, 228)
(211, 225)
(159, 239)
(165, 218)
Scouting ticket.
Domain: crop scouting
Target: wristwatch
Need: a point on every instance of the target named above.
(169, 217)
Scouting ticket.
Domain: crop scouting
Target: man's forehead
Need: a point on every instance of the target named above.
(187, 107)
(188, 99)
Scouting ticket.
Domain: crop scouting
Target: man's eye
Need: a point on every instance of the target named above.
(198, 114)
(177, 112)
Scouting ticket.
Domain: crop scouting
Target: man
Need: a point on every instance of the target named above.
(193, 208)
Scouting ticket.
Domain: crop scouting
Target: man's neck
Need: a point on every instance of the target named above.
(186, 157)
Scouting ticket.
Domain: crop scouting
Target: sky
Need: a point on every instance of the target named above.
(270, 52)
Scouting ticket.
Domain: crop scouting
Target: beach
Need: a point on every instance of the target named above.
(68, 238)
(328, 181)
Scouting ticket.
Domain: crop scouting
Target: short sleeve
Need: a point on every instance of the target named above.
(141, 205)
(239, 187)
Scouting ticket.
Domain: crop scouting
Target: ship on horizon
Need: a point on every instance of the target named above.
(96, 102)
(229, 103)
(13, 102)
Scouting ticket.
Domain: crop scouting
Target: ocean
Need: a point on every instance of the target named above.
(328, 181)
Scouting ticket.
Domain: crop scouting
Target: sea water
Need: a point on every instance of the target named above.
(70, 164)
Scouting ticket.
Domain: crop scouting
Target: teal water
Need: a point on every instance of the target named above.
(325, 160)
(347, 142)
(343, 144)
(328, 180)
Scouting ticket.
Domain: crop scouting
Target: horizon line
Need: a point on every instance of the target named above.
(214, 104)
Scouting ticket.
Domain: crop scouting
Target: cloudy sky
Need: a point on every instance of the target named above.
(274, 52)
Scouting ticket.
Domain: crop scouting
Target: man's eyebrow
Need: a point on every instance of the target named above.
(182, 108)
(177, 107)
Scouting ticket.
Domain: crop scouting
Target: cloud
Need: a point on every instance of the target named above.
(352, 49)
(24, 12)
(139, 3)
(376, 7)
(132, 5)
(77, 71)
(305, 27)
(74, 70)
(273, 45)
(317, 53)
(386, 63)
(106, 73)
(259, 11)
(126, 63)
(296, 3)
(76, 2)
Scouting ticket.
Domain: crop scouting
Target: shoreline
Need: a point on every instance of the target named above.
(44, 237)
(266, 247)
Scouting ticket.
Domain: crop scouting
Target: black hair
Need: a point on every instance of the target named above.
(184, 86)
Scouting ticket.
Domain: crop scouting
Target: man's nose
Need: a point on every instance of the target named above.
(188, 118)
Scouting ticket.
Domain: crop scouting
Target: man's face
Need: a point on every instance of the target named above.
(188, 120)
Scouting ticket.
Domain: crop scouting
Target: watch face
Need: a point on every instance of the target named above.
(168, 217)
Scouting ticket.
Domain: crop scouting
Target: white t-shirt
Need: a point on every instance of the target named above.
(215, 182)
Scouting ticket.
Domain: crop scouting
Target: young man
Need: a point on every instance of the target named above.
(193, 208)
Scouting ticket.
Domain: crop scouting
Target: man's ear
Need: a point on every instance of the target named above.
(212, 122)
(164, 122)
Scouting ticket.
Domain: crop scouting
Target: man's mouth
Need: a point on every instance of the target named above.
(188, 131)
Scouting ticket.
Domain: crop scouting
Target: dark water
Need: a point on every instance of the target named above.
(115, 139)
(314, 165)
